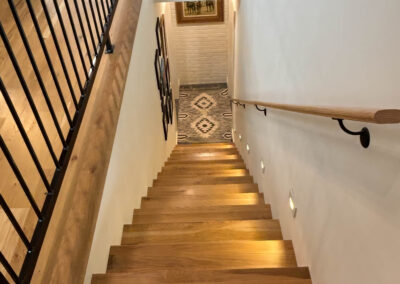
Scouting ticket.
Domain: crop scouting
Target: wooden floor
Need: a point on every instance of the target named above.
(203, 221)
(74, 219)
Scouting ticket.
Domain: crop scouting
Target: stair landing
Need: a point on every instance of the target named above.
(203, 221)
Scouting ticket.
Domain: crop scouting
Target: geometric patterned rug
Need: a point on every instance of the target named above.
(204, 114)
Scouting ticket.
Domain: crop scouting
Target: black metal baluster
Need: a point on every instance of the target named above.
(71, 54)
(14, 222)
(71, 20)
(24, 135)
(28, 94)
(83, 33)
(3, 279)
(89, 26)
(39, 234)
(9, 268)
(48, 60)
(19, 177)
(60, 56)
(36, 70)
(108, 7)
(104, 11)
(94, 20)
(99, 16)
(109, 45)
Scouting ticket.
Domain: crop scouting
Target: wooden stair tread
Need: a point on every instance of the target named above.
(204, 162)
(204, 172)
(206, 145)
(298, 275)
(202, 231)
(203, 221)
(198, 256)
(202, 200)
(207, 187)
(205, 209)
(216, 195)
(192, 159)
(202, 180)
(204, 166)
(203, 150)
(203, 153)
(218, 213)
(194, 192)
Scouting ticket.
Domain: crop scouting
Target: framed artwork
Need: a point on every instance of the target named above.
(170, 105)
(164, 36)
(200, 11)
(165, 119)
(163, 77)
(158, 35)
(157, 67)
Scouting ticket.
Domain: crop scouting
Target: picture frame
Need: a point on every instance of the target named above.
(164, 36)
(205, 11)
(170, 104)
(158, 36)
(157, 68)
(163, 76)
(164, 118)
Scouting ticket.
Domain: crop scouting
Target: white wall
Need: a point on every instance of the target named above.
(139, 149)
(199, 51)
(334, 53)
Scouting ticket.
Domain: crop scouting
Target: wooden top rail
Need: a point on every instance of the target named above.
(379, 116)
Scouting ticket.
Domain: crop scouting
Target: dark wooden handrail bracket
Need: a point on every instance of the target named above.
(370, 115)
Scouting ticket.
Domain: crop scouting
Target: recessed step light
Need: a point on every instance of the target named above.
(292, 205)
(262, 166)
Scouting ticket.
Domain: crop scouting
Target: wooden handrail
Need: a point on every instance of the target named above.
(379, 116)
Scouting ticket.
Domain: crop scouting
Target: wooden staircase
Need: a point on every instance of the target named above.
(203, 221)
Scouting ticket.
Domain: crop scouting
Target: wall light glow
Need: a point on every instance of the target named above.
(240, 136)
(248, 148)
(262, 166)
(292, 205)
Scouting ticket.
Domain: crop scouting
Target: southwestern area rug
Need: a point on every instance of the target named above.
(204, 114)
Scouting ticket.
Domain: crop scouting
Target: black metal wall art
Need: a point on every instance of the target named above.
(161, 65)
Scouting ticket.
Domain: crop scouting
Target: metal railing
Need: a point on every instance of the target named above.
(79, 32)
